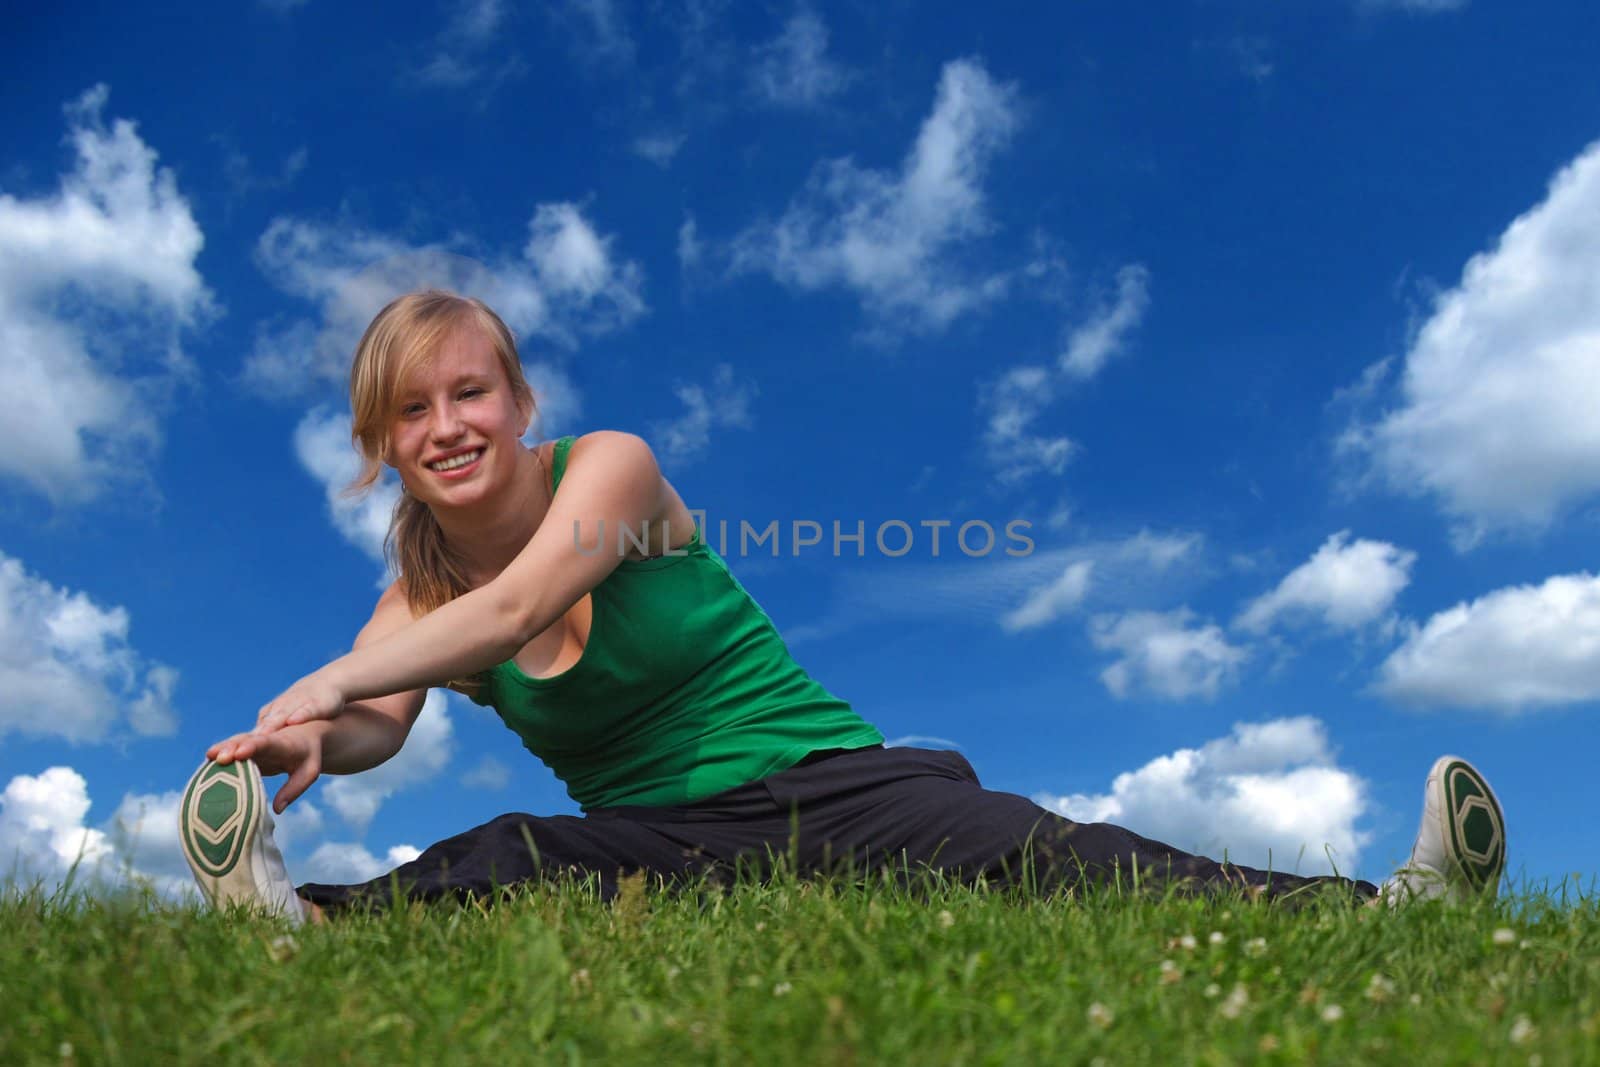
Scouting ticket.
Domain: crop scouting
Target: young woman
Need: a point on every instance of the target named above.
(567, 587)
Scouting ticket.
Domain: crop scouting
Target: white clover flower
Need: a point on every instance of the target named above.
(1332, 1013)
(1100, 1015)
(1522, 1030)
(1213, 990)
(946, 920)
(1255, 946)
(1217, 937)
(1235, 1002)
(782, 989)
(1503, 936)
(1380, 988)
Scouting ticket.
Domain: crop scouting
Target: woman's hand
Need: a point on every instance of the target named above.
(295, 752)
(311, 698)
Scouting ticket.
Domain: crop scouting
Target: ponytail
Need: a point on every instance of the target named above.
(430, 573)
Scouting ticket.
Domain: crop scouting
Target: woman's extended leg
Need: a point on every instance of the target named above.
(913, 807)
(518, 848)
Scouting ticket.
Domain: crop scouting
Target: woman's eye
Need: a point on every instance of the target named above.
(411, 409)
(467, 394)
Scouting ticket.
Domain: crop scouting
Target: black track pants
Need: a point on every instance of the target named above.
(859, 811)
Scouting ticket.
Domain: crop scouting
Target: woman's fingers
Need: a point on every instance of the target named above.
(306, 701)
(237, 747)
(300, 779)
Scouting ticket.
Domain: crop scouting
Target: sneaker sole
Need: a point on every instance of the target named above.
(1474, 825)
(217, 826)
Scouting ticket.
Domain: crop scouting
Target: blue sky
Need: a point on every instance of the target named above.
(1280, 325)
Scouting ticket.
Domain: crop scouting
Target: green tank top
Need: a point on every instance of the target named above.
(684, 689)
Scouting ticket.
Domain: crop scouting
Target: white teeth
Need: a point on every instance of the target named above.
(456, 461)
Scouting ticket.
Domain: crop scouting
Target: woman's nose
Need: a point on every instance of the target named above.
(446, 422)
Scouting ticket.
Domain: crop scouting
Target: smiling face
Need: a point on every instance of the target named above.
(456, 427)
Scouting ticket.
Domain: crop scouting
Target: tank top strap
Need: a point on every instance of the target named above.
(559, 466)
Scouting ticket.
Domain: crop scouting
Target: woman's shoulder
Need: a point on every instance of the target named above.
(392, 602)
(392, 612)
(614, 446)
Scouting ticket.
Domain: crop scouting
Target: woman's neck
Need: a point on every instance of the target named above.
(488, 537)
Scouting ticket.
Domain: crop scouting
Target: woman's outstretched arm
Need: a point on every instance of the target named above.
(364, 735)
(612, 481)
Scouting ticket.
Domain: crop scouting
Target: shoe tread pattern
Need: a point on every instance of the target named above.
(219, 807)
(1475, 824)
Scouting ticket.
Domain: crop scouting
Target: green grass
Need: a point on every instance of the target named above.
(810, 973)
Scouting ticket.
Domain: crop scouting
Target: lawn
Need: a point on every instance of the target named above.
(814, 973)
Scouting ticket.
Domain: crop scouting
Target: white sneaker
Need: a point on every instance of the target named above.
(225, 825)
(1460, 849)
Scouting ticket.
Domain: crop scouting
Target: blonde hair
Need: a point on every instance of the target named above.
(404, 336)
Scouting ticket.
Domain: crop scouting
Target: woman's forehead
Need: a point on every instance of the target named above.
(456, 358)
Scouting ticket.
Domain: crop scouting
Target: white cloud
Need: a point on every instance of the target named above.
(1010, 404)
(322, 444)
(893, 237)
(67, 669)
(300, 821)
(1016, 592)
(1261, 795)
(794, 69)
(1103, 336)
(144, 831)
(489, 773)
(690, 250)
(1165, 654)
(725, 403)
(574, 265)
(921, 741)
(1013, 402)
(347, 863)
(1344, 585)
(558, 398)
(471, 47)
(151, 714)
(599, 32)
(45, 838)
(97, 285)
(1501, 383)
(243, 180)
(477, 20)
(567, 283)
(659, 148)
(427, 751)
(1516, 649)
(1250, 55)
(1053, 600)
(42, 834)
